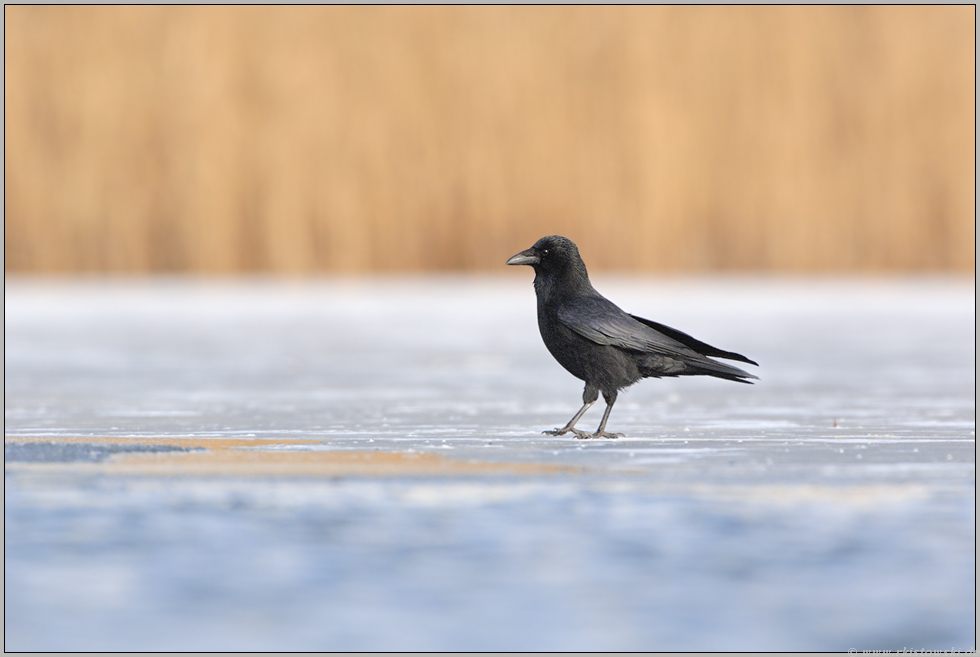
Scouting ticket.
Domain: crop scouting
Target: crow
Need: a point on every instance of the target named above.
(597, 342)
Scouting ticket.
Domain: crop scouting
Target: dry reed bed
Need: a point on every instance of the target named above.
(301, 139)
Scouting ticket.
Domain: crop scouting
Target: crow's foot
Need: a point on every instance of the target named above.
(564, 430)
(583, 435)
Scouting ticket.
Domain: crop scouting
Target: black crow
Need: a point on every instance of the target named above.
(601, 344)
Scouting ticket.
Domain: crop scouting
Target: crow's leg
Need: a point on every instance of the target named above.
(589, 395)
(601, 431)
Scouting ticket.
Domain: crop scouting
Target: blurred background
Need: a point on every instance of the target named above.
(830, 507)
(360, 139)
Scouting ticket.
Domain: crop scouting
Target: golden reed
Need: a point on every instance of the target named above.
(346, 139)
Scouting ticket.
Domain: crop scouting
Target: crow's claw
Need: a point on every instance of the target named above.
(561, 432)
(582, 435)
(598, 434)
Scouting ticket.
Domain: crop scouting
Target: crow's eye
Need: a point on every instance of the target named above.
(545, 252)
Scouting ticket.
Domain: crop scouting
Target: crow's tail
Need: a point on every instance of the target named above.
(652, 365)
(721, 371)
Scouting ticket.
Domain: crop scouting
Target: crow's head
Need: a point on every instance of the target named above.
(550, 254)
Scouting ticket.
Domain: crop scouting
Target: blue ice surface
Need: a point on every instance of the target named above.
(829, 507)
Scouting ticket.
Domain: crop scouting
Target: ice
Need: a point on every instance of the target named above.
(831, 506)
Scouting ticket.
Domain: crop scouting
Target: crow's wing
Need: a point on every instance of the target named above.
(688, 341)
(603, 322)
(600, 320)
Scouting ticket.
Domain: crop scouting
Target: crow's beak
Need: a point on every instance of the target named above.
(528, 257)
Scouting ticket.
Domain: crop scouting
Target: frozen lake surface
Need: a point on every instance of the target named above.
(359, 465)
